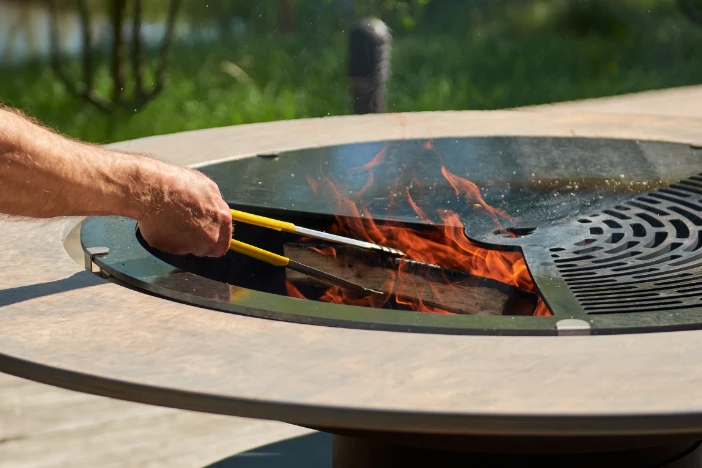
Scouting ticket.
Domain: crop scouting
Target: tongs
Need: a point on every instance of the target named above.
(281, 261)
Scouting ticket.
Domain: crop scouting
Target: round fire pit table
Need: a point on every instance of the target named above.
(611, 378)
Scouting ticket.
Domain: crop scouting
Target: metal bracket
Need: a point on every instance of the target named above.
(90, 254)
(572, 327)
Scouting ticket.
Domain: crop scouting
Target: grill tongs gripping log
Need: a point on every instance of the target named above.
(281, 261)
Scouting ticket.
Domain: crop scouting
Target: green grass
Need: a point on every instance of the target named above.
(505, 59)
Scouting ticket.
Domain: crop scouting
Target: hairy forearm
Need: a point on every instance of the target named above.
(46, 175)
(43, 174)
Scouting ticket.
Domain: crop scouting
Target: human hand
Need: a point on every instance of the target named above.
(185, 214)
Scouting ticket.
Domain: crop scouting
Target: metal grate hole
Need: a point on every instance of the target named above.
(590, 268)
(650, 209)
(587, 250)
(634, 292)
(650, 220)
(619, 300)
(612, 224)
(638, 230)
(657, 261)
(658, 239)
(698, 244)
(676, 279)
(667, 248)
(647, 275)
(671, 191)
(614, 306)
(611, 291)
(696, 220)
(626, 254)
(681, 229)
(584, 220)
(602, 284)
(687, 187)
(616, 214)
(574, 259)
(615, 237)
(649, 200)
(692, 206)
(622, 247)
(655, 308)
(599, 287)
(687, 260)
(591, 283)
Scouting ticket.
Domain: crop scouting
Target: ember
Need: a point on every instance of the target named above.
(446, 246)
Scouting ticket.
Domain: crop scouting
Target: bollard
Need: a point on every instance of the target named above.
(369, 65)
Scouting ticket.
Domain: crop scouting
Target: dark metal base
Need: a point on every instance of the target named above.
(354, 452)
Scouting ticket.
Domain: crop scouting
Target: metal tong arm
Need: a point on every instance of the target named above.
(270, 223)
(280, 260)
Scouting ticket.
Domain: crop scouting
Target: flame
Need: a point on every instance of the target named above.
(293, 291)
(446, 246)
(313, 184)
(326, 251)
(472, 192)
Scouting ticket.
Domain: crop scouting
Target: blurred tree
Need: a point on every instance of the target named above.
(692, 9)
(404, 13)
(267, 15)
(596, 17)
(118, 16)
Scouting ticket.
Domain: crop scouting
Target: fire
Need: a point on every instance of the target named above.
(446, 246)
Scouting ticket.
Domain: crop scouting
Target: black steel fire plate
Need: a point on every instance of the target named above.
(609, 234)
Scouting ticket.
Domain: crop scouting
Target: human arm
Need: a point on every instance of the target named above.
(45, 175)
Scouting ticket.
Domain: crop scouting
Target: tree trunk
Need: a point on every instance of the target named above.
(286, 16)
(117, 65)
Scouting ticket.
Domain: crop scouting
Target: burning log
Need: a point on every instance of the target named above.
(450, 290)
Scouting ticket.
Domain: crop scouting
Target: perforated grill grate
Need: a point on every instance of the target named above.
(644, 255)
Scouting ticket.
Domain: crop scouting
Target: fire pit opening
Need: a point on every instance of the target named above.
(409, 284)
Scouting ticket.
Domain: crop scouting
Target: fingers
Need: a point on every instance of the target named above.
(194, 220)
(221, 247)
(218, 232)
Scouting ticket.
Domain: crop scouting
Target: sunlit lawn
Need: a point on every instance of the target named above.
(490, 66)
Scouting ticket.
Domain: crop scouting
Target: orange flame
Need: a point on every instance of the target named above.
(326, 251)
(446, 246)
(313, 184)
(293, 291)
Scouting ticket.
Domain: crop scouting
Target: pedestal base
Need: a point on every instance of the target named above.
(355, 452)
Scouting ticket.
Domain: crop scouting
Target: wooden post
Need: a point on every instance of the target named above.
(369, 65)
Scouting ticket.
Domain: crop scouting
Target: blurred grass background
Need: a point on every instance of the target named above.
(447, 55)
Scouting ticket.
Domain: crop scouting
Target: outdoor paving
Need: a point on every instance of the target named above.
(44, 426)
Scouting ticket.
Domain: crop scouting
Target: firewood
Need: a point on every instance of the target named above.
(451, 290)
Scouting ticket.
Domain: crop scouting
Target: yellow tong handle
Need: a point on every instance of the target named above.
(262, 221)
(255, 252)
(258, 254)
